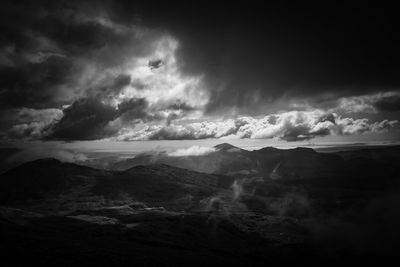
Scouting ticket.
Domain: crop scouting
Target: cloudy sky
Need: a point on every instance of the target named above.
(120, 71)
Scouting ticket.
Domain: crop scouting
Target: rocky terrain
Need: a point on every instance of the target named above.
(252, 207)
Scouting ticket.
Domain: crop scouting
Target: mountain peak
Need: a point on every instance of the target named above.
(225, 147)
(45, 162)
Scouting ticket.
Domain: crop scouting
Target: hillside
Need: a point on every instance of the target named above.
(292, 207)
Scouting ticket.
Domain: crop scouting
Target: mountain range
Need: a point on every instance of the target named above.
(229, 206)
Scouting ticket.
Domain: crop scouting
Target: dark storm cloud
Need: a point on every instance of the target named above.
(111, 90)
(281, 50)
(134, 108)
(382, 102)
(179, 105)
(120, 82)
(251, 55)
(89, 119)
(155, 64)
(85, 119)
(26, 122)
(389, 103)
(69, 24)
(46, 47)
(34, 84)
(180, 109)
(328, 117)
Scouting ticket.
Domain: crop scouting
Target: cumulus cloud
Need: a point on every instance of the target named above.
(192, 151)
(289, 126)
(134, 108)
(90, 118)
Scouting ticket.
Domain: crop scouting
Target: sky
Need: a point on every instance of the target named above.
(123, 72)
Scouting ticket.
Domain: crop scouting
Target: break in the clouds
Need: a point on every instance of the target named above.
(87, 70)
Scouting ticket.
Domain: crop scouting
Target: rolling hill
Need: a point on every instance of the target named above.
(268, 205)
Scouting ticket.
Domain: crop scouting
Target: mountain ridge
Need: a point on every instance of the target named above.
(35, 182)
(231, 160)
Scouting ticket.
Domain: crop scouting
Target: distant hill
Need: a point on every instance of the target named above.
(230, 160)
(51, 183)
(297, 163)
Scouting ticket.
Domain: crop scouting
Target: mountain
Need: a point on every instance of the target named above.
(273, 163)
(218, 162)
(225, 147)
(57, 185)
(267, 205)
(233, 161)
(67, 214)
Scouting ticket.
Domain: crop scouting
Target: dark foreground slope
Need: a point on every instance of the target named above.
(296, 207)
(61, 187)
(56, 213)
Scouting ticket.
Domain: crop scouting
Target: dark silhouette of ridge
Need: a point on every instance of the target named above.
(225, 147)
(44, 179)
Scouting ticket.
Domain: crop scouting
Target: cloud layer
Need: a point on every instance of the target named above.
(289, 126)
(87, 70)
